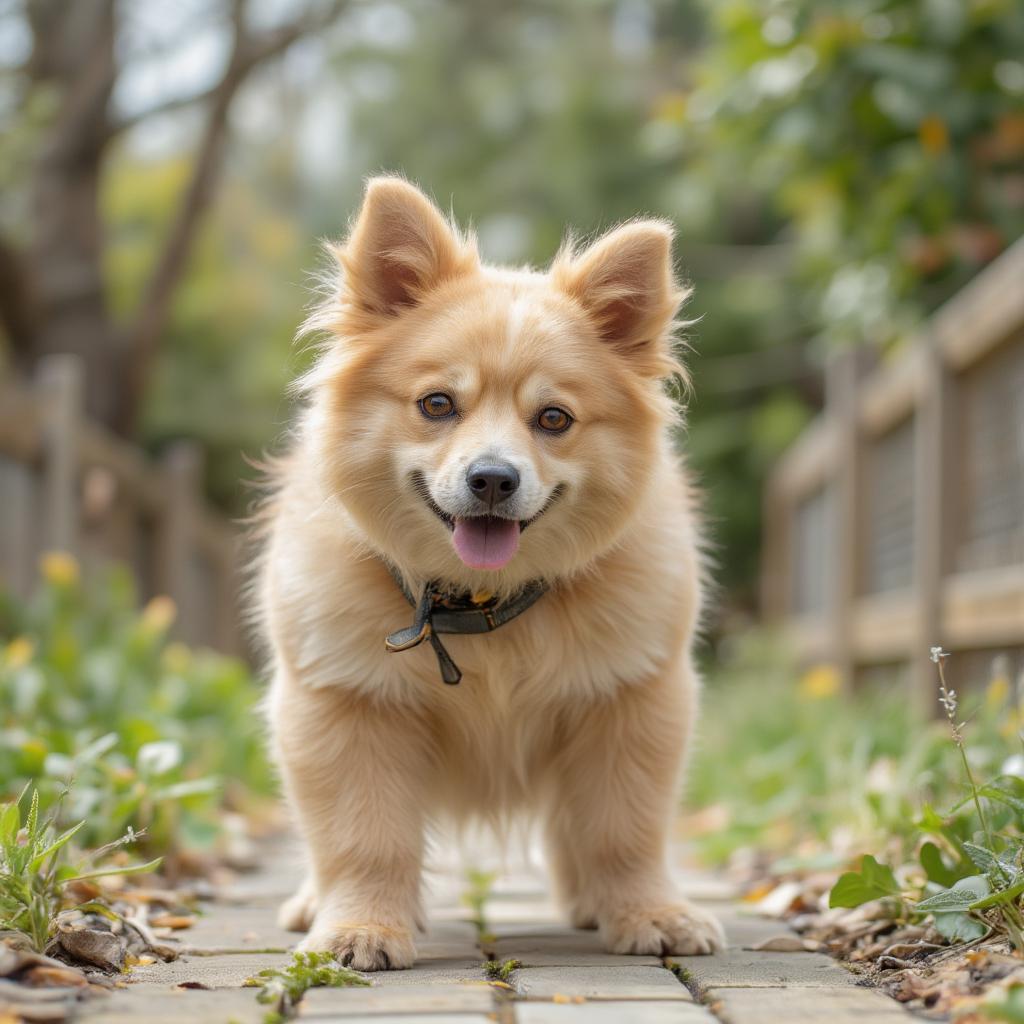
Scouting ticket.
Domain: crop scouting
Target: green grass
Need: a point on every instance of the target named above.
(114, 724)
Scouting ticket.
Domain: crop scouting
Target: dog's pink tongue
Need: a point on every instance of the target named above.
(486, 542)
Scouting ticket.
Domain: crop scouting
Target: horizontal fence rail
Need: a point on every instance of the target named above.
(67, 484)
(895, 522)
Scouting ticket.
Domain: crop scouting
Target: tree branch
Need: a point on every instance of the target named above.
(248, 53)
(169, 106)
(270, 44)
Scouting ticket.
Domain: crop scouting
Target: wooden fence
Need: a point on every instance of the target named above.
(895, 522)
(66, 484)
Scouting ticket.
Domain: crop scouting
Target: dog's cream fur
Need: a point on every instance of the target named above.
(578, 711)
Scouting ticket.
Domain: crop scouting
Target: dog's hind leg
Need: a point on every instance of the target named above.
(565, 874)
(297, 912)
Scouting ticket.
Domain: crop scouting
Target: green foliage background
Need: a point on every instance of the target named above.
(836, 170)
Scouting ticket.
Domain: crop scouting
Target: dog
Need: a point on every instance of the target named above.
(487, 454)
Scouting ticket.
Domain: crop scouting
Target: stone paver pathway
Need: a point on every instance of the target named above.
(564, 977)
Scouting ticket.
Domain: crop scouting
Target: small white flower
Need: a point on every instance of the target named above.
(937, 654)
(158, 757)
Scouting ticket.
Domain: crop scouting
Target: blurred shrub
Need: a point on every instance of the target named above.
(888, 135)
(785, 763)
(147, 733)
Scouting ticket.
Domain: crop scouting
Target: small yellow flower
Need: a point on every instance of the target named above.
(934, 134)
(158, 614)
(819, 682)
(998, 691)
(59, 568)
(671, 106)
(177, 658)
(1010, 725)
(19, 652)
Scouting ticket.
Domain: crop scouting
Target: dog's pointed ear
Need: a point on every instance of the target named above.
(399, 249)
(626, 285)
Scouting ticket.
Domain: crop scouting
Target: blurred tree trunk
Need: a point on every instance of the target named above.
(53, 296)
(74, 58)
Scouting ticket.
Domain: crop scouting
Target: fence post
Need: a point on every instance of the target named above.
(842, 379)
(182, 470)
(229, 637)
(776, 553)
(61, 383)
(933, 462)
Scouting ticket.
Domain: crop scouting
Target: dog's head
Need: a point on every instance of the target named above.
(488, 426)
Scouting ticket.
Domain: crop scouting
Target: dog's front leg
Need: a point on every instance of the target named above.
(354, 771)
(613, 801)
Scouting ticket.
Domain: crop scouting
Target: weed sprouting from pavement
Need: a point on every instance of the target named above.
(501, 970)
(35, 869)
(282, 988)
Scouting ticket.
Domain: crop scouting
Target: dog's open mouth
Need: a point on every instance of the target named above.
(486, 542)
(482, 542)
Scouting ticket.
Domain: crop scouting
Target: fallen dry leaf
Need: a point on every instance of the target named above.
(173, 921)
(780, 899)
(43, 975)
(782, 944)
(139, 961)
(92, 946)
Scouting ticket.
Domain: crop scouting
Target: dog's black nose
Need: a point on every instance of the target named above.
(492, 482)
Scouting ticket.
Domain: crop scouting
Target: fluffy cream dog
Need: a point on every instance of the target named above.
(503, 434)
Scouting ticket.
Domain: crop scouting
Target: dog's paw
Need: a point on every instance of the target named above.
(297, 912)
(679, 929)
(364, 947)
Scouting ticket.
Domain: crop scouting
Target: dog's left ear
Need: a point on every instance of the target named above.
(625, 283)
(400, 248)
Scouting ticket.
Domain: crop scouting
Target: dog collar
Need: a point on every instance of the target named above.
(439, 610)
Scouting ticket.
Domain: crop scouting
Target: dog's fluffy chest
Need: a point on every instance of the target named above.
(579, 641)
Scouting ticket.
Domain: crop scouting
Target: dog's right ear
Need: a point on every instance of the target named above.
(400, 249)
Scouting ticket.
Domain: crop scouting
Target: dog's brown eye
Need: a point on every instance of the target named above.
(437, 406)
(554, 419)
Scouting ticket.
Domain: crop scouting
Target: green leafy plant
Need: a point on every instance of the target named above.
(92, 690)
(282, 988)
(971, 877)
(35, 870)
(874, 881)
